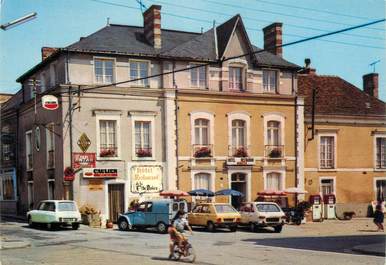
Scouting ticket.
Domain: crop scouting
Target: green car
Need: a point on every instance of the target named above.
(55, 213)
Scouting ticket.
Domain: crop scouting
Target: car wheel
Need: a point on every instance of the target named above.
(75, 226)
(278, 228)
(30, 223)
(252, 227)
(210, 227)
(233, 228)
(162, 228)
(298, 222)
(123, 225)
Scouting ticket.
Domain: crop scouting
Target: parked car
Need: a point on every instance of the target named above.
(55, 213)
(262, 214)
(214, 215)
(152, 213)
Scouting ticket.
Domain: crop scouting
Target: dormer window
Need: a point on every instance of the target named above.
(270, 81)
(235, 79)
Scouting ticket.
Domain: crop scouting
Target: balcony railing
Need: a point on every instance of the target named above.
(51, 159)
(111, 151)
(143, 152)
(29, 161)
(202, 150)
(274, 151)
(239, 151)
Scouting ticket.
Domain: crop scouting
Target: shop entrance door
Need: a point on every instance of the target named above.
(116, 201)
(238, 183)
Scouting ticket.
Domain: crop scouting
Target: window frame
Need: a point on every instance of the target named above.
(277, 76)
(242, 76)
(197, 85)
(333, 178)
(144, 118)
(202, 115)
(101, 58)
(282, 174)
(377, 136)
(108, 117)
(29, 150)
(335, 166)
(139, 83)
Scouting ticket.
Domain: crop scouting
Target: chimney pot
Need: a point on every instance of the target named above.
(152, 25)
(370, 84)
(273, 38)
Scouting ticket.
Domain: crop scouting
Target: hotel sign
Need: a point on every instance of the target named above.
(100, 173)
(146, 179)
(83, 160)
(240, 161)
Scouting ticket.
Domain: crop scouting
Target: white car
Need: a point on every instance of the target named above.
(55, 213)
(262, 214)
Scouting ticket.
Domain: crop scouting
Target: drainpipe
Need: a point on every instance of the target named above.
(177, 140)
(296, 147)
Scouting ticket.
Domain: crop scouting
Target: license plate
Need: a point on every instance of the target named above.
(272, 219)
(228, 220)
(68, 219)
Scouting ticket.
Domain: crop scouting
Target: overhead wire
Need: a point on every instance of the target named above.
(257, 19)
(211, 22)
(233, 57)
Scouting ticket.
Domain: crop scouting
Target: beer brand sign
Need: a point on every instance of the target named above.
(100, 173)
(83, 160)
(84, 142)
(146, 179)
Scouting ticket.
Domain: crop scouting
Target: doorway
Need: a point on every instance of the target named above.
(239, 183)
(116, 201)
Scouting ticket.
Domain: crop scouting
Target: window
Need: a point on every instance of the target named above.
(274, 181)
(7, 152)
(267, 208)
(104, 70)
(50, 142)
(269, 81)
(198, 76)
(380, 193)
(7, 188)
(327, 150)
(48, 206)
(201, 181)
(201, 132)
(108, 138)
(273, 133)
(51, 189)
(66, 207)
(238, 133)
(143, 139)
(327, 186)
(225, 208)
(381, 152)
(28, 147)
(235, 79)
(139, 69)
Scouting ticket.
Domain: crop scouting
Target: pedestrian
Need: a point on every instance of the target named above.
(378, 217)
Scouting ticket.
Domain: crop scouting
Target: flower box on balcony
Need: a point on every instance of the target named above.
(203, 152)
(275, 153)
(143, 153)
(240, 152)
(107, 153)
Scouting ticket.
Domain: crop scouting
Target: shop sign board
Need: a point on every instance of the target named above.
(100, 173)
(95, 184)
(146, 179)
(83, 160)
(50, 102)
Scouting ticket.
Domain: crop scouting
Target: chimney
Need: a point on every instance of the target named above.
(307, 68)
(370, 84)
(273, 38)
(47, 52)
(152, 25)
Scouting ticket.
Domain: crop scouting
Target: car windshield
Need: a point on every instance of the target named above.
(267, 208)
(224, 208)
(66, 207)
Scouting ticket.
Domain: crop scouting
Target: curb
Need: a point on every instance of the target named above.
(369, 250)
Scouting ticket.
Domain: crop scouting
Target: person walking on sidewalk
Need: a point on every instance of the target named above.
(378, 217)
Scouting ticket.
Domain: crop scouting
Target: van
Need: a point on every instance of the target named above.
(157, 213)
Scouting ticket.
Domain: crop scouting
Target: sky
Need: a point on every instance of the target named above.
(62, 22)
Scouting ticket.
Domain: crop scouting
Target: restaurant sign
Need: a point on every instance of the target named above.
(146, 179)
(83, 160)
(100, 173)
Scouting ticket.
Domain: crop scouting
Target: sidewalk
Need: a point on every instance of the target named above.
(371, 249)
(7, 243)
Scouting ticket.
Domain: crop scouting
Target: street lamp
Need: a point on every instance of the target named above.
(18, 21)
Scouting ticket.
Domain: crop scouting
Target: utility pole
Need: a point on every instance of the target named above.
(71, 191)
